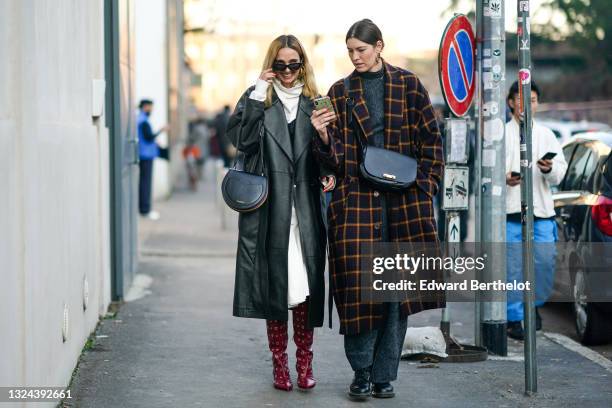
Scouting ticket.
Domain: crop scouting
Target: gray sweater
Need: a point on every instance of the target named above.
(374, 93)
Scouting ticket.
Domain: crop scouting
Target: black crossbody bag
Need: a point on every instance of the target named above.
(385, 169)
(245, 191)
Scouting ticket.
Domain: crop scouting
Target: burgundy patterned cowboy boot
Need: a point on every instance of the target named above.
(303, 338)
(277, 340)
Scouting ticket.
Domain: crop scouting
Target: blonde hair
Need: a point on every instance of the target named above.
(306, 74)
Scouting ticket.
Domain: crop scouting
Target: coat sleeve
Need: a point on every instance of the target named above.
(245, 124)
(429, 145)
(331, 156)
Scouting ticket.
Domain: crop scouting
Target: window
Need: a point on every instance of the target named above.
(574, 178)
(567, 152)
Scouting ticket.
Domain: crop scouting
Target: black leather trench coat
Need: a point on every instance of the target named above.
(260, 289)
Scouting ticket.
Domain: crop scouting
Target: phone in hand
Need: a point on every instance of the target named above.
(515, 174)
(323, 102)
(548, 156)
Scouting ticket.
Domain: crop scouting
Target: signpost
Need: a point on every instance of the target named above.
(456, 61)
(490, 322)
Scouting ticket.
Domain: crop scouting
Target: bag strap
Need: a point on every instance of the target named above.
(350, 104)
(240, 158)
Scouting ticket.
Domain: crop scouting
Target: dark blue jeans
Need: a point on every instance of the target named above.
(379, 349)
(144, 186)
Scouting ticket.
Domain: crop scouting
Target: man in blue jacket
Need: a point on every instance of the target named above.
(148, 151)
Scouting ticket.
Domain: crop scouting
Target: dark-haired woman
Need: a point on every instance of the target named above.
(392, 111)
(281, 245)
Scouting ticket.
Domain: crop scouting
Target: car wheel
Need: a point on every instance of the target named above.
(592, 327)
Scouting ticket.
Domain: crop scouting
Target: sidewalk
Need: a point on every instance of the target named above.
(179, 346)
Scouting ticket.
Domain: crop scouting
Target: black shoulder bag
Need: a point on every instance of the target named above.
(384, 169)
(245, 191)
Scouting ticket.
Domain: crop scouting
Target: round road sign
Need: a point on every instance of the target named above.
(456, 61)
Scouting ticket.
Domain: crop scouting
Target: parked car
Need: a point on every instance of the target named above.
(583, 203)
(566, 130)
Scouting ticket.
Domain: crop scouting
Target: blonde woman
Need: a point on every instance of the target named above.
(281, 245)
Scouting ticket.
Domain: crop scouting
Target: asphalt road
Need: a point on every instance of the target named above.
(558, 318)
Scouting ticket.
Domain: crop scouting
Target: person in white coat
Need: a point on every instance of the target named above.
(546, 173)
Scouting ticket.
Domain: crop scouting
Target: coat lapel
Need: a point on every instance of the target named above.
(276, 124)
(303, 132)
(394, 105)
(360, 110)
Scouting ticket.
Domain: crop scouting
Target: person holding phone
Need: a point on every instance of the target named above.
(549, 170)
(281, 246)
(391, 110)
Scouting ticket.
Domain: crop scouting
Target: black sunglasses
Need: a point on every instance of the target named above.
(280, 66)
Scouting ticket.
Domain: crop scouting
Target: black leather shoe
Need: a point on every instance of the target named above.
(383, 390)
(538, 319)
(361, 388)
(515, 331)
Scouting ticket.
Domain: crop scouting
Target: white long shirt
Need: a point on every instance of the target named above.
(543, 141)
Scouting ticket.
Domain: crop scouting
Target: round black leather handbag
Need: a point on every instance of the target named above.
(384, 169)
(245, 191)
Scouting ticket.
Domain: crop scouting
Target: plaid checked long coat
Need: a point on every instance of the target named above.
(354, 213)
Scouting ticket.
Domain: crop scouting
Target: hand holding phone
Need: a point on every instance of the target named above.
(322, 115)
(323, 102)
(513, 178)
(548, 156)
(545, 163)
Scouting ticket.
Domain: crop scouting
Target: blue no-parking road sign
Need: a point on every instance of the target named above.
(456, 61)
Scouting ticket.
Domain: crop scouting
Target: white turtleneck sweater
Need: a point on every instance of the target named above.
(290, 97)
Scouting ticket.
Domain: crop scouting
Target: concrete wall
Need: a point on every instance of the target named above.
(54, 217)
(152, 77)
(178, 85)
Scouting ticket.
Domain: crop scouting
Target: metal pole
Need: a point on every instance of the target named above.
(491, 199)
(478, 161)
(524, 52)
(451, 239)
(116, 147)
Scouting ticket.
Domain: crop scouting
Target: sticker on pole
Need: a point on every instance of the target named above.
(455, 186)
(456, 62)
(525, 76)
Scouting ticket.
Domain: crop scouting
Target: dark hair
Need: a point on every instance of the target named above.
(144, 102)
(365, 30)
(514, 90)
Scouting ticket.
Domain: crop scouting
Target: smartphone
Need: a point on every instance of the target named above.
(323, 102)
(515, 174)
(548, 156)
